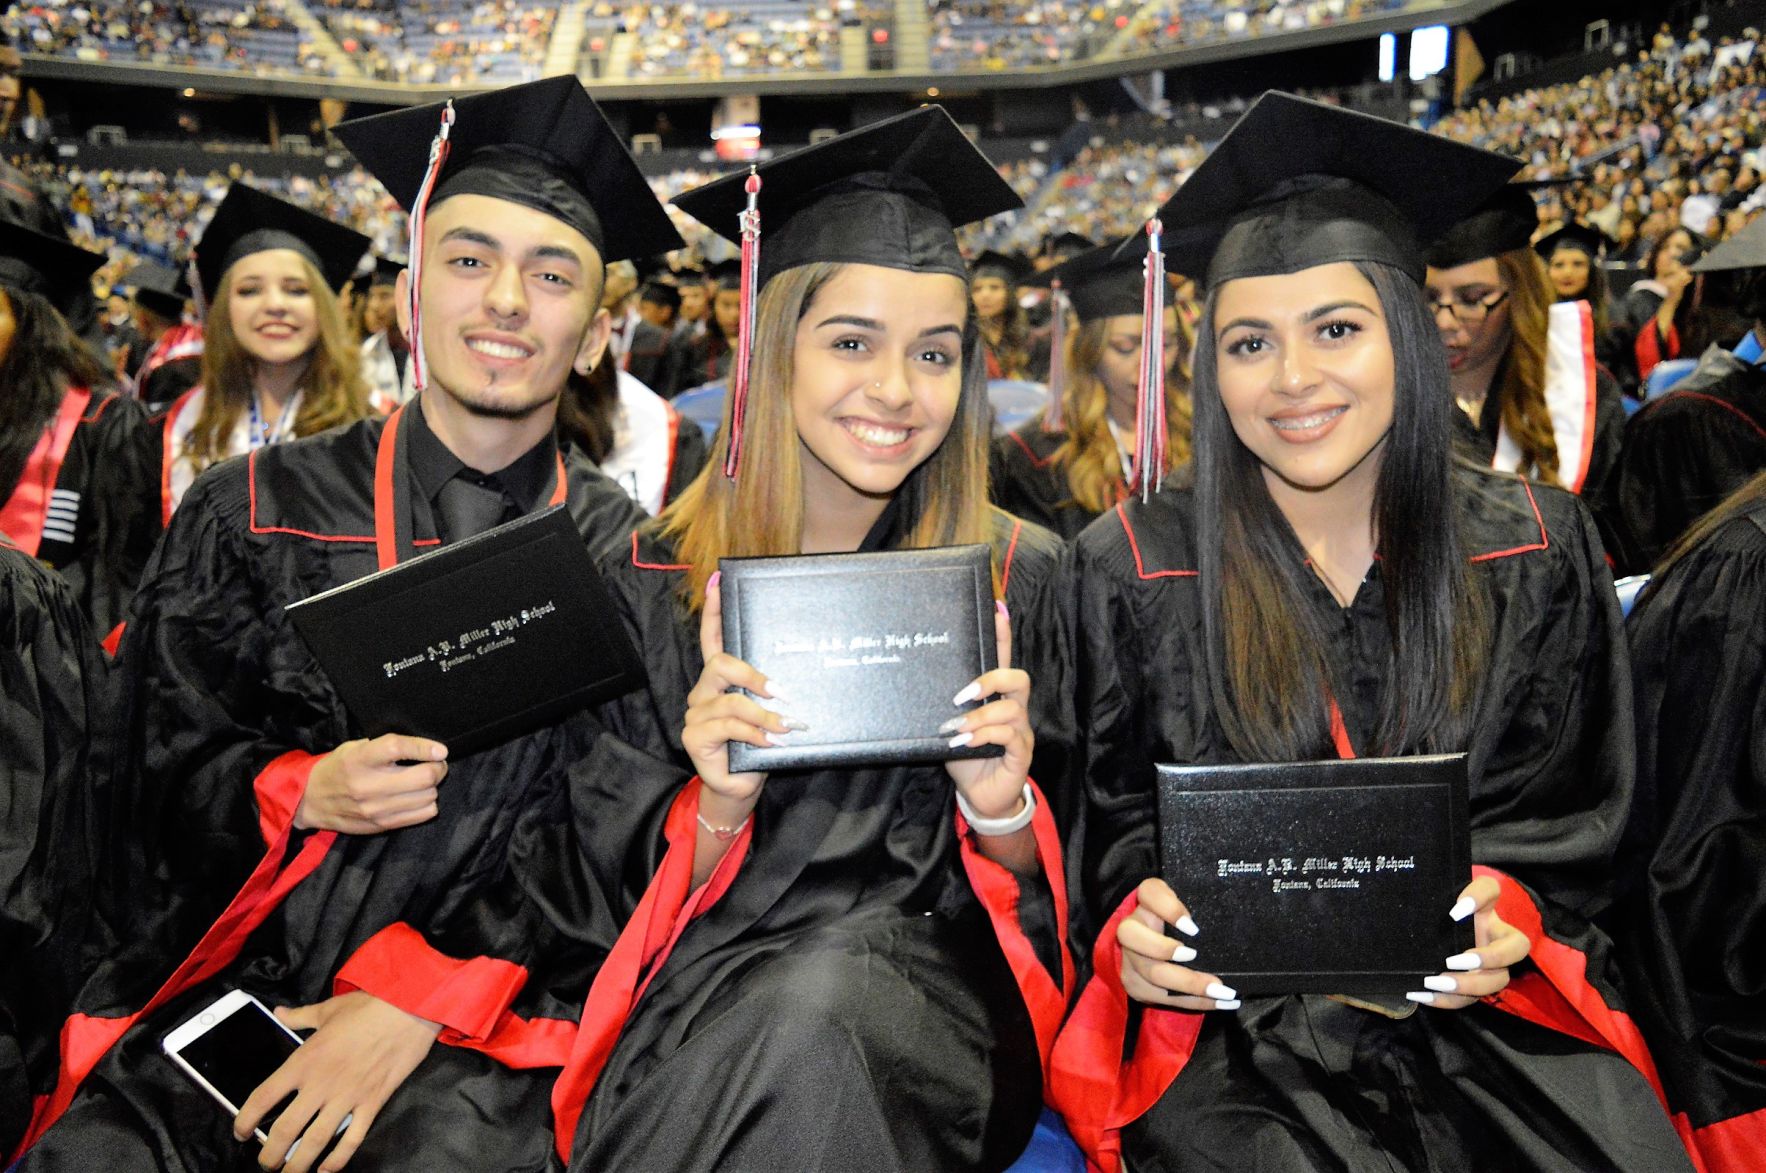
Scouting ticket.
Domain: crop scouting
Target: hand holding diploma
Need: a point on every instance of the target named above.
(1154, 967)
(1483, 971)
(364, 787)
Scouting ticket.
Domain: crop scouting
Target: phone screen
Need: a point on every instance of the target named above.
(239, 1053)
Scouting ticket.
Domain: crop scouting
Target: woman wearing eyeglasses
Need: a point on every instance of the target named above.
(1532, 398)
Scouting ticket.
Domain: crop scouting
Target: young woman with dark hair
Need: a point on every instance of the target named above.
(1332, 583)
(278, 359)
(1070, 462)
(836, 965)
(76, 469)
(1005, 326)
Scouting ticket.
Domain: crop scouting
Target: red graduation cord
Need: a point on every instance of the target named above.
(439, 147)
(1148, 474)
(739, 373)
(1052, 420)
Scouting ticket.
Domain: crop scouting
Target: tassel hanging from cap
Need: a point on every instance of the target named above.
(197, 293)
(1053, 419)
(1149, 417)
(439, 147)
(739, 368)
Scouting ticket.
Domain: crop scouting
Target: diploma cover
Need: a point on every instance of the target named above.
(478, 642)
(1330, 877)
(867, 648)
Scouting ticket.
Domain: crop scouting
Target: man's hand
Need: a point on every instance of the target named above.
(366, 787)
(362, 1050)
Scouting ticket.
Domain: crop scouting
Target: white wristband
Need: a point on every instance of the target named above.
(1006, 826)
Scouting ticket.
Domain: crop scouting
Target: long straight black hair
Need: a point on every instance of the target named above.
(43, 361)
(1264, 638)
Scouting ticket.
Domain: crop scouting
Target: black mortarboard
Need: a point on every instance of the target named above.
(248, 221)
(890, 194)
(1067, 245)
(1588, 239)
(385, 272)
(1007, 268)
(158, 288)
(544, 145)
(1099, 283)
(1745, 250)
(1505, 222)
(35, 263)
(1296, 184)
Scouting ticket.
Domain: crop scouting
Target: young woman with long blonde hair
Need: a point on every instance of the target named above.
(846, 981)
(1070, 462)
(278, 359)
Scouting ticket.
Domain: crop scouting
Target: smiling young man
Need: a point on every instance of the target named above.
(338, 868)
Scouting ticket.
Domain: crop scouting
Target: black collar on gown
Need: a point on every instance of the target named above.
(887, 532)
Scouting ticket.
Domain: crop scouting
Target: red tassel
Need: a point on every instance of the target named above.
(739, 369)
(438, 157)
(1052, 418)
(1148, 474)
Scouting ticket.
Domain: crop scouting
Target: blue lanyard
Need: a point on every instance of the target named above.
(261, 436)
(1750, 350)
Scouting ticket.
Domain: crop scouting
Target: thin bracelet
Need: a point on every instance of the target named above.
(1009, 825)
(724, 834)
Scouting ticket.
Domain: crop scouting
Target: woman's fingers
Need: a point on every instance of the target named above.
(711, 620)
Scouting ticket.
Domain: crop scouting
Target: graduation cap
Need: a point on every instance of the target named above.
(1584, 237)
(1745, 250)
(248, 221)
(544, 145)
(1001, 266)
(1296, 184)
(158, 288)
(385, 272)
(34, 263)
(890, 194)
(1505, 222)
(1097, 283)
(1066, 245)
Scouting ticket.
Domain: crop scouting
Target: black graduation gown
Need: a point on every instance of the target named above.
(1684, 453)
(228, 711)
(52, 718)
(1692, 937)
(707, 360)
(834, 996)
(1307, 1082)
(1025, 481)
(103, 513)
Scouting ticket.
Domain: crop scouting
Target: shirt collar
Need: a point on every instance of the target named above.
(434, 464)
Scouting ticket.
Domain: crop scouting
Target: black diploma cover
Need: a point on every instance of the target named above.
(1330, 877)
(478, 642)
(868, 650)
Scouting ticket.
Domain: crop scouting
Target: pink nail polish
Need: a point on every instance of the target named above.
(716, 577)
(1001, 605)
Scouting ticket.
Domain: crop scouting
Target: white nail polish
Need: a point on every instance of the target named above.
(793, 725)
(1422, 996)
(969, 693)
(1464, 908)
(1441, 985)
(1187, 926)
(1227, 1004)
(778, 738)
(1465, 961)
(776, 697)
(1220, 993)
(1183, 953)
(961, 739)
(950, 726)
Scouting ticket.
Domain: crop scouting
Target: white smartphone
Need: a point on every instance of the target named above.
(231, 1046)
